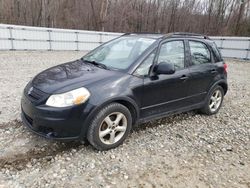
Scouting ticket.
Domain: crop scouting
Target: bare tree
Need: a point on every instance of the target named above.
(214, 17)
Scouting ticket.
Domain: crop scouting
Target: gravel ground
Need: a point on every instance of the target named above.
(186, 150)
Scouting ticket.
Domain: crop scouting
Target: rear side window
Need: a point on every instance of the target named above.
(200, 54)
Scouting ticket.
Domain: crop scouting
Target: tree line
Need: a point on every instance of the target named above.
(211, 17)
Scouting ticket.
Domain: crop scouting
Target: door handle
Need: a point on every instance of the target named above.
(213, 71)
(183, 77)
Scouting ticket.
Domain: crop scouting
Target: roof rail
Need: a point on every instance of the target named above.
(189, 34)
(145, 33)
(125, 34)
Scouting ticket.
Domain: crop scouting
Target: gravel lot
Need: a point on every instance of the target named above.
(186, 150)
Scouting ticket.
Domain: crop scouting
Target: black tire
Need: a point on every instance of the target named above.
(95, 126)
(206, 109)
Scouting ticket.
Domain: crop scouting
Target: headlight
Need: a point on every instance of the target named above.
(74, 97)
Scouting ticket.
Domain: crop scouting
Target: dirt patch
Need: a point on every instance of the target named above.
(35, 155)
(13, 124)
(18, 156)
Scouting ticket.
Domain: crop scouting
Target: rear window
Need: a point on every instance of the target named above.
(217, 54)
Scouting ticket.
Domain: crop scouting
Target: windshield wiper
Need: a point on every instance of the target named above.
(96, 64)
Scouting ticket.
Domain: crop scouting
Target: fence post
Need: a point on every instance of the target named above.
(100, 42)
(77, 41)
(11, 38)
(221, 44)
(248, 50)
(50, 45)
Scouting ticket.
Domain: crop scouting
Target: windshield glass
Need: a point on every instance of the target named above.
(119, 53)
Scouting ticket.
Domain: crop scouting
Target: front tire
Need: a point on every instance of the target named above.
(110, 127)
(214, 101)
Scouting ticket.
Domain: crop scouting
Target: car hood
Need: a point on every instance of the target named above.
(69, 76)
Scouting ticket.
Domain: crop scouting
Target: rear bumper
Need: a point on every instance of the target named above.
(63, 124)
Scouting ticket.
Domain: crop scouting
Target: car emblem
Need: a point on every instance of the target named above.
(30, 90)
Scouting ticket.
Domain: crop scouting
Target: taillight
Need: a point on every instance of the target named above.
(225, 67)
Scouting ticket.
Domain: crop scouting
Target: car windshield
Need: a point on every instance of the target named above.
(119, 53)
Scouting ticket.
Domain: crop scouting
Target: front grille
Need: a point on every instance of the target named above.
(33, 93)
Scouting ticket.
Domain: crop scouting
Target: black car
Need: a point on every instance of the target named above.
(127, 81)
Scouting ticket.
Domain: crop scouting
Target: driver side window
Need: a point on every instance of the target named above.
(173, 53)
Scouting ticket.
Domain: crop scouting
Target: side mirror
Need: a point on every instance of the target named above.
(164, 68)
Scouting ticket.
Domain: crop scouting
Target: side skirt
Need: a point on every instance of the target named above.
(168, 113)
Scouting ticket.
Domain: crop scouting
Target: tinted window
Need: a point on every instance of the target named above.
(199, 53)
(144, 67)
(217, 53)
(173, 53)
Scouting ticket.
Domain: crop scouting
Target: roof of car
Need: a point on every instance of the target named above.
(169, 35)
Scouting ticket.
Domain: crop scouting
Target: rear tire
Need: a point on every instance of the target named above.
(110, 127)
(213, 101)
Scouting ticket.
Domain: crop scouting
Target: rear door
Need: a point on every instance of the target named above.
(203, 70)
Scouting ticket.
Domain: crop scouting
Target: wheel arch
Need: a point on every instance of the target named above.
(224, 86)
(131, 107)
(221, 83)
(126, 101)
(205, 109)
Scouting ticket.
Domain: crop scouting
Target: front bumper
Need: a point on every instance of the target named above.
(54, 123)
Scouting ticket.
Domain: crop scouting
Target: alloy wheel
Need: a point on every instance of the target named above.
(112, 128)
(215, 100)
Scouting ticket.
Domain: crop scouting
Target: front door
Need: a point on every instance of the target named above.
(167, 93)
